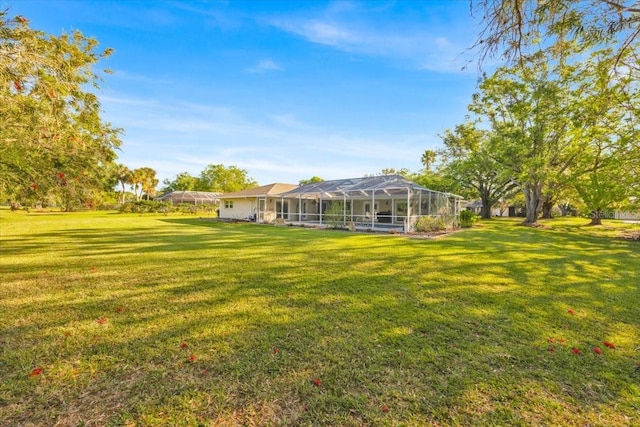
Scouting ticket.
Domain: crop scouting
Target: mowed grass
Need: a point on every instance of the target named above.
(111, 319)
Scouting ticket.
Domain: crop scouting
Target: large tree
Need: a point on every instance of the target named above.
(53, 142)
(182, 182)
(606, 174)
(221, 179)
(311, 180)
(470, 161)
(527, 108)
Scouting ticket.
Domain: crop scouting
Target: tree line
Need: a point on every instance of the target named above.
(559, 121)
(55, 148)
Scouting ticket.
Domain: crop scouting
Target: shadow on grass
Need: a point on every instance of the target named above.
(452, 330)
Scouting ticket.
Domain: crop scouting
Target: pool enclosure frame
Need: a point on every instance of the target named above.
(386, 202)
(191, 197)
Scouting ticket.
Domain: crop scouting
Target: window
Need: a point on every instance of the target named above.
(228, 204)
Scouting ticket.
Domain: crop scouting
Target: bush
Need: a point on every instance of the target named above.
(467, 218)
(428, 224)
(334, 215)
(147, 206)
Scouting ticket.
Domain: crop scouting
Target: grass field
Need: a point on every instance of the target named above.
(112, 319)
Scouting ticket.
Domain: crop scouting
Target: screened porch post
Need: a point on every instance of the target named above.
(373, 208)
(420, 203)
(406, 219)
(320, 209)
(344, 209)
(299, 209)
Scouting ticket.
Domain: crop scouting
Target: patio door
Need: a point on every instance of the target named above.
(262, 206)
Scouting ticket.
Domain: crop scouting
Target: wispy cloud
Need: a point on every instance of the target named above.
(263, 66)
(136, 77)
(195, 135)
(356, 30)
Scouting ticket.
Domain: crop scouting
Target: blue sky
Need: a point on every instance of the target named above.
(284, 89)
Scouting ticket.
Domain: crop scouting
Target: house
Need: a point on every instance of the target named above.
(497, 210)
(387, 202)
(375, 203)
(260, 204)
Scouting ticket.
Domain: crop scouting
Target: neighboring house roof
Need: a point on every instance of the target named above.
(390, 184)
(196, 197)
(262, 191)
(475, 204)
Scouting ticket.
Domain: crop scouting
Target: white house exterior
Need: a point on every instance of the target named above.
(259, 204)
(387, 202)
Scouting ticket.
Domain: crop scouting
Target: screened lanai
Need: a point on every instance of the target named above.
(193, 197)
(376, 203)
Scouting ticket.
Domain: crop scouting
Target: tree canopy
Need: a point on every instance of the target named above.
(53, 141)
(513, 29)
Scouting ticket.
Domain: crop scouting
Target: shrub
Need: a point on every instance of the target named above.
(334, 215)
(427, 224)
(147, 206)
(467, 218)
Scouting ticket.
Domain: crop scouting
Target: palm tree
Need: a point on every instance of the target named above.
(149, 182)
(428, 157)
(124, 178)
(137, 177)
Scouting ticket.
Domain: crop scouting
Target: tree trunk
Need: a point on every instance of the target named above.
(533, 202)
(596, 217)
(564, 209)
(547, 207)
(123, 191)
(485, 211)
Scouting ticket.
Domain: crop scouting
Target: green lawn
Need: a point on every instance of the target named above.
(111, 319)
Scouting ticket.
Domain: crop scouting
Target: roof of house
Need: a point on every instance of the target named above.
(262, 191)
(388, 184)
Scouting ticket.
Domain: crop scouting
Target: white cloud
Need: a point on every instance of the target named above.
(173, 137)
(351, 29)
(324, 33)
(264, 65)
(287, 120)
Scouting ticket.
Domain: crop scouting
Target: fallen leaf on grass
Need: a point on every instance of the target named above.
(570, 311)
(120, 309)
(184, 345)
(192, 358)
(551, 349)
(575, 350)
(597, 350)
(316, 382)
(102, 320)
(276, 350)
(384, 408)
(35, 372)
(609, 344)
